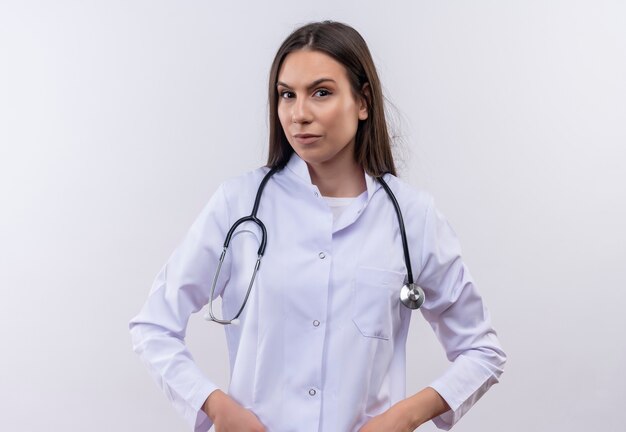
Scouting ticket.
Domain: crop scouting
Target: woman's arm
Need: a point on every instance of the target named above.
(180, 289)
(409, 414)
(456, 312)
(228, 416)
(461, 322)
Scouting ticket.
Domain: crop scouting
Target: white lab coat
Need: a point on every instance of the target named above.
(321, 344)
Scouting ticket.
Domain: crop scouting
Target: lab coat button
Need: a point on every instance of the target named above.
(312, 392)
(322, 255)
(316, 323)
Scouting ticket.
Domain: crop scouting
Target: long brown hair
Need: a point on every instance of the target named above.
(345, 45)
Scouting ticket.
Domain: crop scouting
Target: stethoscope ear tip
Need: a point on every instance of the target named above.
(207, 317)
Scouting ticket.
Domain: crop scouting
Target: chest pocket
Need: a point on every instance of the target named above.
(375, 301)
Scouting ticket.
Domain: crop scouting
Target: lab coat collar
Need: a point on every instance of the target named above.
(299, 167)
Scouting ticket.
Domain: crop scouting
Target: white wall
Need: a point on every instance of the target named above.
(118, 119)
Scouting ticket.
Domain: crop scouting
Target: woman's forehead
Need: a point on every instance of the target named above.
(302, 67)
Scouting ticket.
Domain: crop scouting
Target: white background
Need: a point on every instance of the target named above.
(118, 119)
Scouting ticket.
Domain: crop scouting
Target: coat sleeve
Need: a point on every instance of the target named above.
(181, 288)
(460, 320)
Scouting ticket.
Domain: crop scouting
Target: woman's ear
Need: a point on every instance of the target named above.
(364, 101)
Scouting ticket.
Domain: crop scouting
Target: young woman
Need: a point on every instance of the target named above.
(320, 343)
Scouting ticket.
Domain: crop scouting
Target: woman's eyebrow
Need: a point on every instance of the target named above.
(310, 86)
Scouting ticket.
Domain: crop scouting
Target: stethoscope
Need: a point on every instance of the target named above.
(411, 295)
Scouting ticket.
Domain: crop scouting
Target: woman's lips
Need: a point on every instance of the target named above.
(306, 138)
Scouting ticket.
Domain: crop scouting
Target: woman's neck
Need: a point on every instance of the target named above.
(338, 179)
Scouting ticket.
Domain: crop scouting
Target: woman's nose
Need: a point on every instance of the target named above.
(301, 112)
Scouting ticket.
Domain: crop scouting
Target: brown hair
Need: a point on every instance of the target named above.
(345, 45)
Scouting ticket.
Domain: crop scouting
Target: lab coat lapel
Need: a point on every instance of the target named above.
(359, 205)
(298, 166)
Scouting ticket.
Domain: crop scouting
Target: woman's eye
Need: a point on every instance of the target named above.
(286, 94)
(322, 92)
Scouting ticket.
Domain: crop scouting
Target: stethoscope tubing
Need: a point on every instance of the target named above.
(405, 245)
(254, 219)
(411, 295)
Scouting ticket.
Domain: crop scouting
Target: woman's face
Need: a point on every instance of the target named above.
(317, 109)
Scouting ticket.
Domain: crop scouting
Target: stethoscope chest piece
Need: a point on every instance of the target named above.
(412, 296)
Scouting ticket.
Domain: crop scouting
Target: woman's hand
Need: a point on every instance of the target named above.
(395, 419)
(408, 414)
(228, 416)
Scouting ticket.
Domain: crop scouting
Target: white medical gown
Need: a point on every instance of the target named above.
(321, 343)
